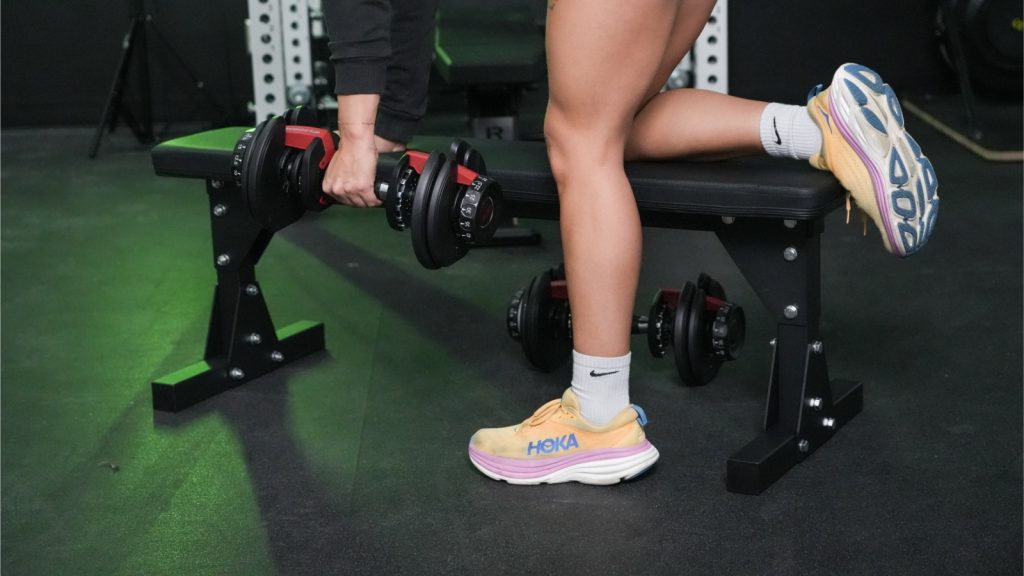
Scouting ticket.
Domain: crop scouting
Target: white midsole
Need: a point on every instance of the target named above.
(601, 472)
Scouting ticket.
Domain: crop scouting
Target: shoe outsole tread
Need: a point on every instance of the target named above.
(904, 180)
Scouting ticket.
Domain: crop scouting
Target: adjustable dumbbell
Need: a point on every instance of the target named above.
(697, 323)
(445, 200)
(448, 206)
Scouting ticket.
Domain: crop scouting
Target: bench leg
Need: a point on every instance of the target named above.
(241, 341)
(804, 408)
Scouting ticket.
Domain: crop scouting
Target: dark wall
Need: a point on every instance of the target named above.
(58, 58)
(780, 49)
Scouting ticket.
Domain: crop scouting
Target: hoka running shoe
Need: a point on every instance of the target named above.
(557, 444)
(866, 146)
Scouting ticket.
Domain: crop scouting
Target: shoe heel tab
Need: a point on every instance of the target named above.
(641, 416)
(815, 91)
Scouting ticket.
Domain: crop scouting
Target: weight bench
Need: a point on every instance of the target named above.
(768, 214)
(494, 55)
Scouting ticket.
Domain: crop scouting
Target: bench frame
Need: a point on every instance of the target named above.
(782, 262)
(781, 259)
(241, 341)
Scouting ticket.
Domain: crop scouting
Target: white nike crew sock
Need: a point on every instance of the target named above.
(601, 384)
(789, 132)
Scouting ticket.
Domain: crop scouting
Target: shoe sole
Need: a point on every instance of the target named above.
(600, 467)
(868, 115)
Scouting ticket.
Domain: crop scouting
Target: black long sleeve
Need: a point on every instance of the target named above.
(384, 47)
(360, 44)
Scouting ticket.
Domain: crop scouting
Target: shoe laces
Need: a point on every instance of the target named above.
(545, 412)
(849, 209)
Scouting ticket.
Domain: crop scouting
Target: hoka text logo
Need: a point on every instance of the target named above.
(549, 445)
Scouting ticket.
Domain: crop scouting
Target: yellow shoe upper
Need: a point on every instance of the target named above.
(842, 160)
(557, 429)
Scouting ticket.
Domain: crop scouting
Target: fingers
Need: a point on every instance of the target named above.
(350, 177)
(351, 193)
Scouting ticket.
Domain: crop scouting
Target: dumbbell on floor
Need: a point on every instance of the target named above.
(444, 198)
(697, 323)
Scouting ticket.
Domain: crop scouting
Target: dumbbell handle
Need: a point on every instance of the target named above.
(559, 291)
(639, 325)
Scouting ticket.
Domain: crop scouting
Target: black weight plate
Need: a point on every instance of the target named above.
(514, 318)
(464, 154)
(262, 185)
(459, 152)
(311, 177)
(446, 247)
(301, 116)
(728, 332)
(397, 191)
(421, 207)
(659, 325)
(681, 335)
(711, 286)
(703, 362)
(542, 348)
(558, 272)
(475, 162)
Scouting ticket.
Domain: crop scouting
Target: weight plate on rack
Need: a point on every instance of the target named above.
(261, 182)
(311, 177)
(300, 116)
(421, 207)
(659, 326)
(399, 194)
(446, 248)
(681, 334)
(728, 331)
(543, 342)
(703, 362)
(464, 154)
(711, 286)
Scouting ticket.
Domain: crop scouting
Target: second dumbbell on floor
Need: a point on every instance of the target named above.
(697, 323)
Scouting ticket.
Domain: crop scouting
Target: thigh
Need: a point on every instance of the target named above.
(602, 57)
(689, 23)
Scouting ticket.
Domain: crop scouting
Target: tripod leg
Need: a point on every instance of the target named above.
(198, 84)
(960, 63)
(113, 104)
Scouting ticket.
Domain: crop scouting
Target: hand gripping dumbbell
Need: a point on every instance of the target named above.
(448, 206)
(697, 323)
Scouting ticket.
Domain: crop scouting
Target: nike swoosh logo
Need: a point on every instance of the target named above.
(778, 139)
(595, 374)
(828, 119)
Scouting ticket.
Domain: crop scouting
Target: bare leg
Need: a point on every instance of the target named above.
(692, 123)
(696, 124)
(599, 79)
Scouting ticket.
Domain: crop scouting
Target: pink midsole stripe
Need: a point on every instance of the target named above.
(516, 468)
(881, 196)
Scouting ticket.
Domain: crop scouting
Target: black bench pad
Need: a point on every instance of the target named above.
(755, 187)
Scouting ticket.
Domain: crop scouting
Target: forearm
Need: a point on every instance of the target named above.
(357, 116)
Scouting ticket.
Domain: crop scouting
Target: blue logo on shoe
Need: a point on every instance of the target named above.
(828, 119)
(550, 445)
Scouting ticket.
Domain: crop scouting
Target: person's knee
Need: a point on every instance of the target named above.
(578, 148)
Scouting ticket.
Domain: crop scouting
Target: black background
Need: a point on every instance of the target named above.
(58, 58)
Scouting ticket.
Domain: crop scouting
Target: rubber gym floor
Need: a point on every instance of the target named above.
(354, 461)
